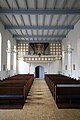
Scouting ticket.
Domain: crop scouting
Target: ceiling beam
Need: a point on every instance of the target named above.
(39, 41)
(39, 11)
(34, 27)
(38, 36)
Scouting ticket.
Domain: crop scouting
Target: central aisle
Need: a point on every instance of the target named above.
(40, 102)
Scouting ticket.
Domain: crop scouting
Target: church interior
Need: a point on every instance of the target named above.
(39, 59)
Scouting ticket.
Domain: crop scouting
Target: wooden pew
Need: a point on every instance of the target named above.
(15, 90)
(12, 93)
(67, 93)
(54, 80)
(20, 76)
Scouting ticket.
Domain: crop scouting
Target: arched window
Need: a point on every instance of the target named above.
(0, 49)
(14, 57)
(69, 57)
(8, 54)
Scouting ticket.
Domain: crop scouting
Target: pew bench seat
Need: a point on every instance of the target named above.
(68, 93)
(68, 98)
(10, 96)
(68, 85)
(11, 99)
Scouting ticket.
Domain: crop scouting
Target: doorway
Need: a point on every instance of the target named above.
(39, 72)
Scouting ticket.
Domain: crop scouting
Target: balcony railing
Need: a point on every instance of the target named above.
(37, 58)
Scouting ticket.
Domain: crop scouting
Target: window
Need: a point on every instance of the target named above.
(8, 55)
(14, 58)
(0, 49)
(73, 66)
(22, 50)
(65, 67)
(55, 49)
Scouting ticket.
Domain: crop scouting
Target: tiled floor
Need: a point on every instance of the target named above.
(40, 106)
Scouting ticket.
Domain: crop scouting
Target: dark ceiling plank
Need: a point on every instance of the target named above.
(39, 27)
(39, 36)
(40, 41)
(39, 11)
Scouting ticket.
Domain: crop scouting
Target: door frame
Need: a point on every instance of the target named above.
(41, 72)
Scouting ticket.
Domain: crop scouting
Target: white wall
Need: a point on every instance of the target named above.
(74, 41)
(6, 36)
(23, 67)
(49, 67)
